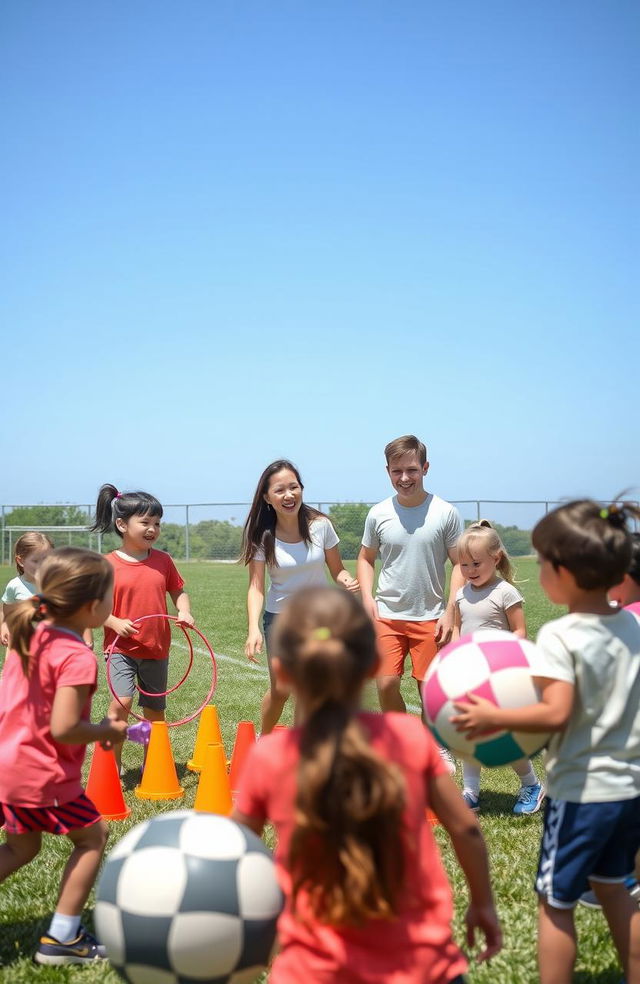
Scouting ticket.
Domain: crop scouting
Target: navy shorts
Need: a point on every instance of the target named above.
(268, 619)
(585, 842)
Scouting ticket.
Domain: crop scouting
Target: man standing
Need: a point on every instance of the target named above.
(414, 533)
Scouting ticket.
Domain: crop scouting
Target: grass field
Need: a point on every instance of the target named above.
(218, 601)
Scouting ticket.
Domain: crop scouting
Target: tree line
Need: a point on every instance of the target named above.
(213, 539)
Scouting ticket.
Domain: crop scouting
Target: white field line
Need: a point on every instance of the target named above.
(242, 663)
(254, 667)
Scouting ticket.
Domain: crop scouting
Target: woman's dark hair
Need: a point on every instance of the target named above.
(68, 578)
(588, 539)
(347, 846)
(113, 505)
(260, 528)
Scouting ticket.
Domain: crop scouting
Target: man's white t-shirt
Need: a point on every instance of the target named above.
(299, 565)
(596, 758)
(413, 543)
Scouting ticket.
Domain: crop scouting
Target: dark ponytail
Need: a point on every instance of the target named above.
(346, 851)
(113, 505)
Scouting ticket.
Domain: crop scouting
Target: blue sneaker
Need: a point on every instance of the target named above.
(529, 799)
(81, 950)
(589, 900)
(473, 802)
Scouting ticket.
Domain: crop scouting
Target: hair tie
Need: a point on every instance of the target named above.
(118, 495)
(604, 514)
(322, 633)
(40, 603)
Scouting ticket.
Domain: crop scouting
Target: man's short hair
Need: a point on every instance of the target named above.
(404, 445)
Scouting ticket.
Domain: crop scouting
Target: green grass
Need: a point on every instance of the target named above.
(218, 600)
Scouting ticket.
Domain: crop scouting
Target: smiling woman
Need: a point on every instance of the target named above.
(293, 542)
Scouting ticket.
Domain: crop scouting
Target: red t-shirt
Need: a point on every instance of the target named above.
(140, 588)
(35, 769)
(415, 948)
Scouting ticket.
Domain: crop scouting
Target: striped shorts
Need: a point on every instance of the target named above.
(74, 815)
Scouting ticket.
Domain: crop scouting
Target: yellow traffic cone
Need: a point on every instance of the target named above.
(208, 733)
(214, 793)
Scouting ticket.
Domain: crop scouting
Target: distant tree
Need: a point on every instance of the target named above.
(215, 540)
(517, 542)
(348, 519)
(36, 516)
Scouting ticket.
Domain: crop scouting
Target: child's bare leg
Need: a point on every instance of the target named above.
(18, 850)
(623, 915)
(271, 709)
(556, 944)
(120, 709)
(82, 867)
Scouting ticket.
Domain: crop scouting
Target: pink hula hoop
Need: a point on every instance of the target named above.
(214, 670)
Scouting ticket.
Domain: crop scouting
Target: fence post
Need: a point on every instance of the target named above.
(478, 510)
(3, 534)
(186, 534)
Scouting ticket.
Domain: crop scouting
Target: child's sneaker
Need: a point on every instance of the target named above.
(448, 760)
(472, 801)
(529, 799)
(83, 949)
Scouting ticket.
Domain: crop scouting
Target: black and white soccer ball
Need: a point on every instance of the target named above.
(188, 897)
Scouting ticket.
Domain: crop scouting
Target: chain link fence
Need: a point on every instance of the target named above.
(212, 531)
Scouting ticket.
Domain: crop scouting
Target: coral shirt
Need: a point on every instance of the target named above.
(416, 947)
(35, 769)
(140, 588)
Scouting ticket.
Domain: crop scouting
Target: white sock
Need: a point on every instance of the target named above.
(524, 770)
(64, 928)
(471, 778)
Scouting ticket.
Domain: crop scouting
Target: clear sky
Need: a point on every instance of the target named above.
(236, 230)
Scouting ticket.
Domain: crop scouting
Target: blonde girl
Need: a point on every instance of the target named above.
(366, 894)
(30, 550)
(489, 600)
(45, 702)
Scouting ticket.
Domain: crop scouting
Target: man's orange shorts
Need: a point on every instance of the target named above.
(397, 637)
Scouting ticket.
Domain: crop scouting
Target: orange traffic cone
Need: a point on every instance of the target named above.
(103, 785)
(431, 817)
(159, 779)
(208, 734)
(214, 793)
(245, 738)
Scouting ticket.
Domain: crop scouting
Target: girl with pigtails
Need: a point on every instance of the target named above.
(142, 579)
(367, 898)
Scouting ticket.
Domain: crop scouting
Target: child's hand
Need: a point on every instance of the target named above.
(185, 618)
(253, 645)
(114, 732)
(485, 918)
(4, 634)
(123, 627)
(475, 715)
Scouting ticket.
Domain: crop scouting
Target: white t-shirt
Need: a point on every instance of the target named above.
(597, 756)
(299, 565)
(413, 543)
(18, 589)
(486, 607)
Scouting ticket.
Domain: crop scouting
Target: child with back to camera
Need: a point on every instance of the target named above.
(489, 600)
(142, 579)
(48, 679)
(589, 677)
(30, 550)
(367, 898)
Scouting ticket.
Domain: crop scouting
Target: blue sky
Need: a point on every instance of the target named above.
(234, 231)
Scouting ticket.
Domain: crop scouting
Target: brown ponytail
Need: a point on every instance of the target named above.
(346, 850)
(69, 578)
